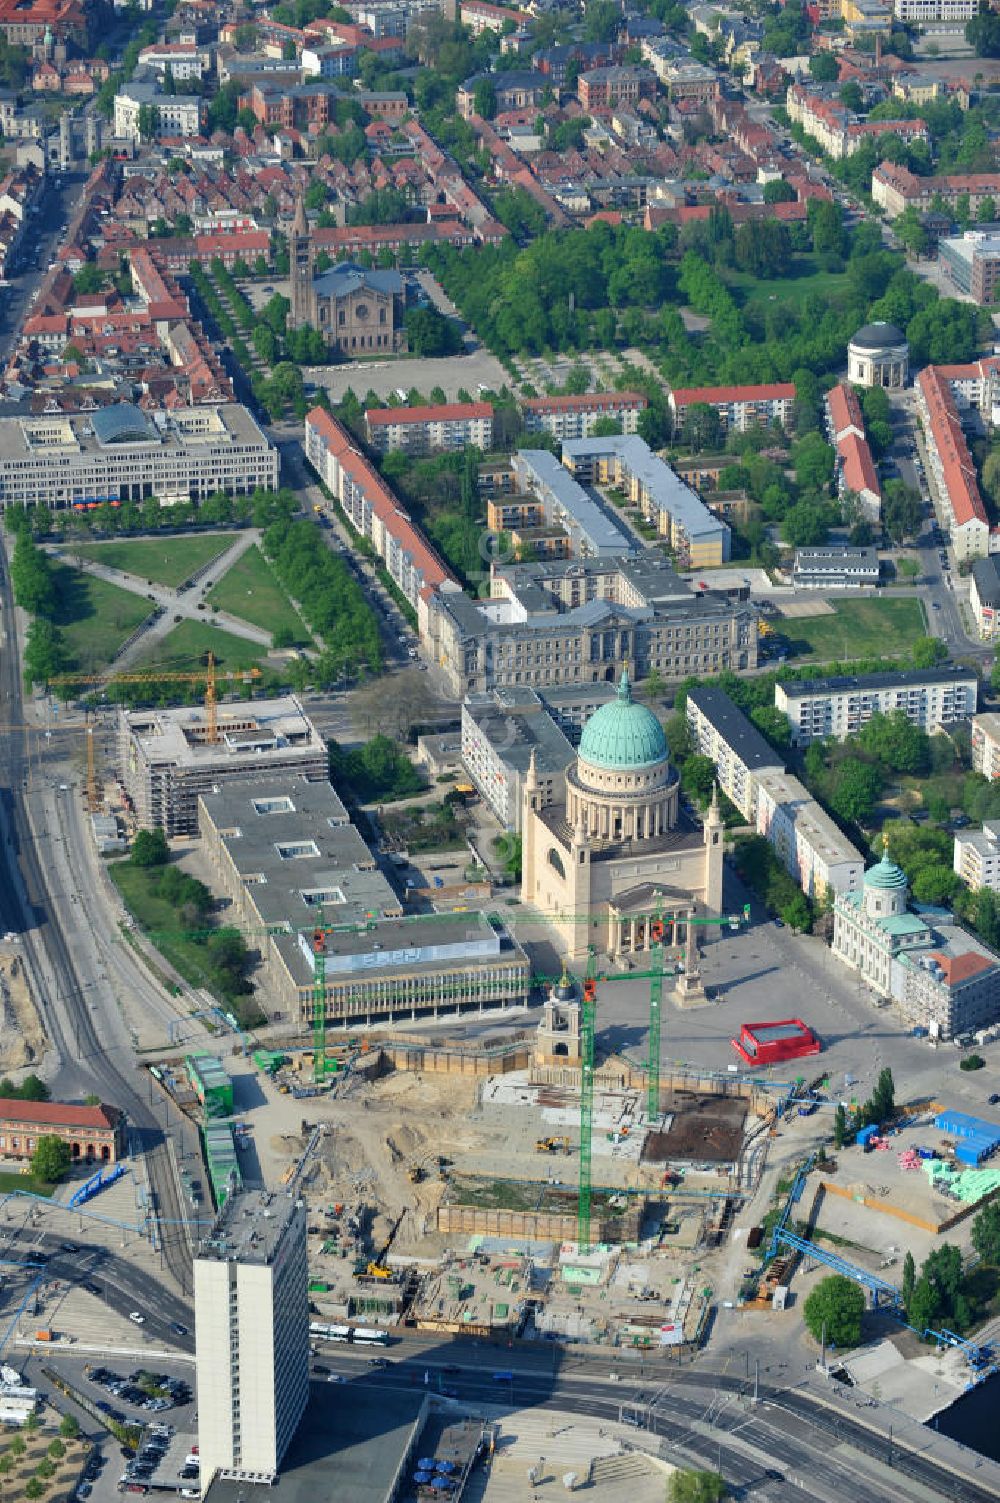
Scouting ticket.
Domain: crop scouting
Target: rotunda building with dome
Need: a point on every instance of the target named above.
(617, 850)
(879, 355)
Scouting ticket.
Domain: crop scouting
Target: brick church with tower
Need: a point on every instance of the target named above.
(356, 309)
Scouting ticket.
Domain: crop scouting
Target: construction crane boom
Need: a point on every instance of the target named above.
(319, 1004)
(655, 997)
(209, 676)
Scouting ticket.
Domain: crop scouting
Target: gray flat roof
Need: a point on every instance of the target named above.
(986, 573)
(404, 946)
(290, 839)
(48, 435)
(515, 730)
(737, 731)
(544, 473)
(667, 490)
(811, 687)
(348, 1447)
(249, 1227)
(279, 726)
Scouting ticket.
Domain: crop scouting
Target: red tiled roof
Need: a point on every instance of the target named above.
(845, 409)
(946, 434)
(958, 968)
(58, 1114)
(859, 470)
(383, 503)
(444, 412)
(593, 401)
(781, 391)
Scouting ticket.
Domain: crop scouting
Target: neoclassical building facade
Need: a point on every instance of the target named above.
(617, 851)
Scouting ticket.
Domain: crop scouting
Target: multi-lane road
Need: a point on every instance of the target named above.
(80, 1017)
(787, 1444)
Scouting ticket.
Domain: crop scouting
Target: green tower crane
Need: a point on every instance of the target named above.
(587, 1021)
(655, 995)
(319, 1004)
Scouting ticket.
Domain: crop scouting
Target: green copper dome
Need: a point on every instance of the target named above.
(622, 735)
(885, 873)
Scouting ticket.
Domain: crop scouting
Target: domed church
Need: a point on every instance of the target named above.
(619, 851)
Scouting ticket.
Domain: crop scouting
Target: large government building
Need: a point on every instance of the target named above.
(580, 620)
(119, 453)
(615, 849)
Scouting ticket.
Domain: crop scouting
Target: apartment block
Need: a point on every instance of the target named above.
(251, 1304)
(839, 707)
(895, 188)
(568, 510)
(417, 430)
(721, 731)
(856, 470)
(934, 12)
(697, 537)
(977, 856)
(951, 469)
(574, 416)
(984, 596)
(823, 117)
(739, 407)
(986, 745)
(373, 511)
(183, 60)
(805, 839)
(479, 16)
(504, 733)
(752, 774)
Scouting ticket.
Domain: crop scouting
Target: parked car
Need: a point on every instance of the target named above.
(136, 1318)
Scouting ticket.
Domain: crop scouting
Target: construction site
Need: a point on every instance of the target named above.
(485, 1187)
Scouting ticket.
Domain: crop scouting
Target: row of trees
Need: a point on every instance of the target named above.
(330, 599)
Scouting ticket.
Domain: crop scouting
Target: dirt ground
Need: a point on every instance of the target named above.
(377, 1135)
(22, 1038)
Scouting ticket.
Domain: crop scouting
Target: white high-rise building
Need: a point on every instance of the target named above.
(251, 1335)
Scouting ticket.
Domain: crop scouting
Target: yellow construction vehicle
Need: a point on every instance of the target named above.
(552, 1145)
(378, 1271)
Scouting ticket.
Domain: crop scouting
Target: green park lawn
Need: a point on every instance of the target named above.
(250, 590)
(188, 643)
(167, 561)
(857, 629)
(805, 279)
(95, 617)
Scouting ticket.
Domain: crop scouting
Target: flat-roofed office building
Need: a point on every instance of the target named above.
(120, 453)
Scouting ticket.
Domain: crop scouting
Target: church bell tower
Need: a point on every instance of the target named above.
(300, 260)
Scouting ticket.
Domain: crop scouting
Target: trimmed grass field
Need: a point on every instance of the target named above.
(188, 643)
(805, 278)
(857, 629)
(167, 561)
(95, 617)
(250, 590)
